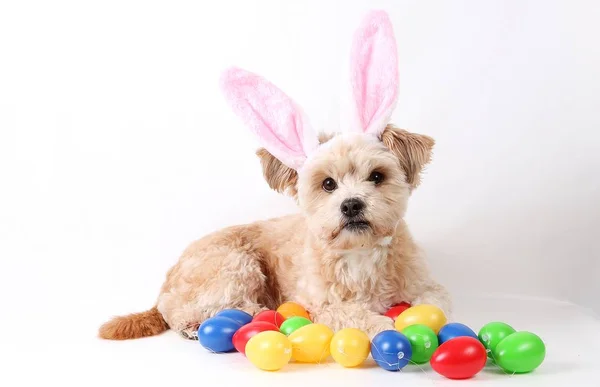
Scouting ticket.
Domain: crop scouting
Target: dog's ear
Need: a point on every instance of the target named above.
(413, 150)
(281, 178)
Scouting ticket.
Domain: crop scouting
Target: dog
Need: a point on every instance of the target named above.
(348, 255)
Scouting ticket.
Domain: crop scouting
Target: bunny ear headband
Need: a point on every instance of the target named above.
(281, 125)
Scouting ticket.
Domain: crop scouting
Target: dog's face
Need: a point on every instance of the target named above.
(354, 190)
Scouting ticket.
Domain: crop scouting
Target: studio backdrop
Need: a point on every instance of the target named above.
(117, 148)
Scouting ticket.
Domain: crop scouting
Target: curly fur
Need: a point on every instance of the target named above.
(344, 278)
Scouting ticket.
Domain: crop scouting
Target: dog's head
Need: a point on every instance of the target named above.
(352, 187)
(354, 191)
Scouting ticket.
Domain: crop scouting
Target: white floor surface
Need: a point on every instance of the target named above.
(77, 357)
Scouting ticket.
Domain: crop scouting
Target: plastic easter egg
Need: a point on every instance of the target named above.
(310, 343)
(493, 333)
(391, 350)
(520, 352)
(293, 323)
(269, 350)
(429, 315)
(237, 315)
(423, 342)
(460, 358)
(350, 347)
(395, 310)
(246, 332)
(292, 309)
(270, 316)
(216, 334)
(452, 330)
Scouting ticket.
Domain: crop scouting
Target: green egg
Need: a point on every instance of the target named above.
(293, 323)
(423, 342)
(493, 333)
(520, 352)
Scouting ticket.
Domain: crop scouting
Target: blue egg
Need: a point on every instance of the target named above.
(391, 350)
(216, 334)
(237, 315)
(452, 330)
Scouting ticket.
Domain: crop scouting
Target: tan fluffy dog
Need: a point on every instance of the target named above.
(348, 256)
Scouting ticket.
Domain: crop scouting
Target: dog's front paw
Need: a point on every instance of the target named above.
(190, 333)
(442, 301)
(378, 324)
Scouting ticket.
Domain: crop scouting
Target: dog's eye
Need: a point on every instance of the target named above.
(376, 177)
(329, 184)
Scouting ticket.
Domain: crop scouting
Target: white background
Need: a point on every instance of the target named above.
(117, 149)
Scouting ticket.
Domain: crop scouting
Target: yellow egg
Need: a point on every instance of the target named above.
(269, 350)
(350, 347)
(310, 344)
(291, 309)
(429, 315)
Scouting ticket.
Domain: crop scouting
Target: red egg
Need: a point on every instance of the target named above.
(459, 358)
(270, 316)
(395, 310)
(246, 332)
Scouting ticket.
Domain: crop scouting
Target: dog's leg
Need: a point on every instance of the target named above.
(421, 288)
(190, 331)
(352, 315)
(435, 294)
(208, 281)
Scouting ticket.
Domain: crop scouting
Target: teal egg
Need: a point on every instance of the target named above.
(520, 352)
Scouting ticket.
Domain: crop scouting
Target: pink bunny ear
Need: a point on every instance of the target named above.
(374, 72)
(280, 124)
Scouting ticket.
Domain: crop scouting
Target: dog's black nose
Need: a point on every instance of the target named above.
(352, 207)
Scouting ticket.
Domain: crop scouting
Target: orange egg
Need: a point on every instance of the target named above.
(291, 309)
